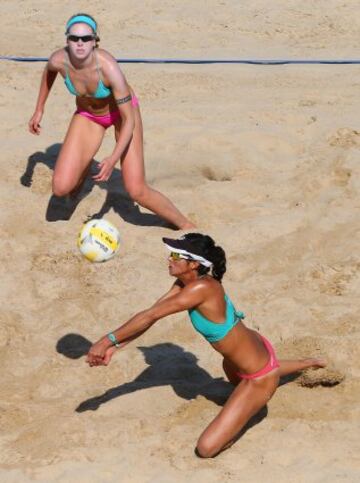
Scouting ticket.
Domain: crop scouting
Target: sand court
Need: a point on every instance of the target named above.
(265, 160)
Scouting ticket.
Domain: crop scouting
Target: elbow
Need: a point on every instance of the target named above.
(128, 120)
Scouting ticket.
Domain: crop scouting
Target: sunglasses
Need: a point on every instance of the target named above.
(178, 256)
(84, 38)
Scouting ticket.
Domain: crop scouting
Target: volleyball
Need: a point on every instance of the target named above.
(98, 240)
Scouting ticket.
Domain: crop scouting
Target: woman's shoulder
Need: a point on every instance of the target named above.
(208, 290)
(105, 56)
(57, 59)
(107, 62)
(206, 283)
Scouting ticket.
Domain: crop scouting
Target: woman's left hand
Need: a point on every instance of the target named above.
(96, 354)
(106, 167)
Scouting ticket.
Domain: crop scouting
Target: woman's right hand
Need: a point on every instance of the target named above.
(34, 123)
(100, 353)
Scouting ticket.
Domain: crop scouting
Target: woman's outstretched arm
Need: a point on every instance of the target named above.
(185, 299)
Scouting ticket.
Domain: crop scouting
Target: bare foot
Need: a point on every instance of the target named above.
(315, 363)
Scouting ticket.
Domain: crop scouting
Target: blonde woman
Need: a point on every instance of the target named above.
(103, 99)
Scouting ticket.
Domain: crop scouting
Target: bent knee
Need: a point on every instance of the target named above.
(137, 192)
(204, 449)
(60, 191)
(61, 188)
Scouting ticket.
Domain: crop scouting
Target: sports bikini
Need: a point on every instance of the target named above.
(212, 331)
(101, 91)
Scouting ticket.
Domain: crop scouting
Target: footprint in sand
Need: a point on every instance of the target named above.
(341, 176)
(345, 138)
(11, 325)
(220, 174)
(335, 279)
(327, 377)
(56, 263)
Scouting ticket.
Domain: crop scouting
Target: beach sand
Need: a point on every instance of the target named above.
(264, 159)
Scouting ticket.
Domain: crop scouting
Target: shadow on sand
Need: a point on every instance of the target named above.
(62, 208)
(168, 365)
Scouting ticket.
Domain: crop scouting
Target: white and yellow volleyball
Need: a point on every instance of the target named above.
(98, 240)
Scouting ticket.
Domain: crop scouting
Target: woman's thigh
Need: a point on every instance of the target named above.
(132, 161)
(245, 401)
(82, 141)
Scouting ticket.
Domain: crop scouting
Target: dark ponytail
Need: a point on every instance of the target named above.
(205, 246)
(218, 258)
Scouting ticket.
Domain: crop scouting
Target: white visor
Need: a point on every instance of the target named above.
(192, 256)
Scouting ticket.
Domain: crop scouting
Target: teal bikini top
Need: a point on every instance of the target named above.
(101, 91)
(212, 331)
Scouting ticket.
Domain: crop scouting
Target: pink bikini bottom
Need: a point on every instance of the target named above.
(108, 119)
(270, 366)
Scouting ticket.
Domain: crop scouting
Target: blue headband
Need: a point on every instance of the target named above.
(81, 19)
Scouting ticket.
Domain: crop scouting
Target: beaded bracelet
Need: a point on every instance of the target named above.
(113, 339)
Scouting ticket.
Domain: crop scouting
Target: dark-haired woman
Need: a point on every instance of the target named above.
(103, 99)
(249, 359)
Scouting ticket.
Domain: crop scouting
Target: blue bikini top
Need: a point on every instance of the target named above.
(212, 331)
(101, 91)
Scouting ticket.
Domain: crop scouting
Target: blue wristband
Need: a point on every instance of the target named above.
(113, 339)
